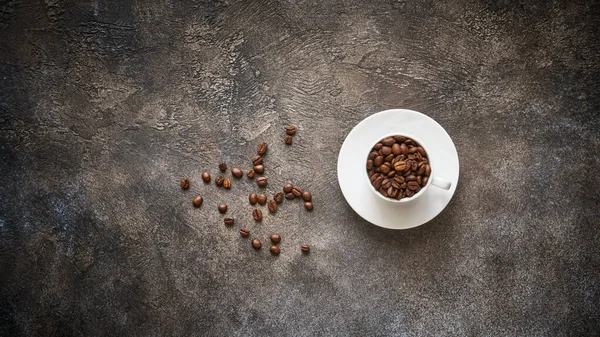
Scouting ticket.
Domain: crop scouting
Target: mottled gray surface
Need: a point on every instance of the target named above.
(104, 105)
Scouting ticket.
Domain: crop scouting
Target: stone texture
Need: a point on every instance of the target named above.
(105, 105)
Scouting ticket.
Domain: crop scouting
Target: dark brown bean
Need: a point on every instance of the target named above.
(287, 188)
(400, 139)
(257, 214)
(386, 150)
(219, 180)
(297, 191)
(412, 185)
(261, 181)
(428, 170)
(222, 208)
(262, 199)
(386, 183)
(244, 231)
(421, 170)
(421, 151)
(290, 196)
(389, 158)
(399, 179)
(425, 181)
(223, 167)
(409, 141)
(236, 172)
(197, 202)
(288, 139)
(383, 191)
(373, 154)
(278, 197)
(411, 178)
(409, 193)
(404, 149)
(253, 198)
(305, 248)
(227, 183)
(206, 177)
(412, 150)
(384, 169)
(308, 205)
(378, 161)
(228, 221)
(377, 182)
(275, 238)
(257, 160)
(275, 250)
(272, 206)
(377, 146)
(256, 244)
(389, 141)
(261, 148)
(307, 196)
(184, 183)
(250, 173)
(259, 169)
(369, 164)
(391, 192)
(400, 166)
(290, 130)
(396, 149)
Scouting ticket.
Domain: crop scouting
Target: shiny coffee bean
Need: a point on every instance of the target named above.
(262, 199)
(389, 158)
(256, 244)
(261, 148)
(373, 154)
(396, 149)
(400, 139)
(290, 196)
(272, 206)
(261, 181)
(305, 248)
(206, 177)
(287, 188)
(236, 172)
(227, 183)
(244, 231)
(404, 149)
(425, 180)
(257, 160)
(389, 141)
(297, 191)
(222, 208)
(229, 221)
(253, 198)
(275, 250)
(290, 130)
(377, 146)
(184, 183)
(197, 202)
(412, 185)
(250, 174)
(223, 167)
(259, 169)
(369, 164)
(386, 150)
(378, 161)
(257, 214)
(307, 196)
(288, 139)
(278, 197)
(219, 180)
(308, 205)
(275, 238)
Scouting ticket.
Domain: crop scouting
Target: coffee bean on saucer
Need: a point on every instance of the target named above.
(184, 183)
(236, 172)
(257, 214)
(287, 188)
(305, 248)
(261, 148)
(253, 198)
(222, 208)
(278, 197)
(308, 205)
(197, 202)
(228, 221)
(219, 180)
(262, 199)
(272, 206)
(206, 177)
(259, 169)
(227, 183)
(307, 196)
(275, 238)
(250, 173)
(262, 181)
(223, 167)
(257, 160)
(290, 196)
(256, 244)
(244, 231)
(290, 130)
(275, 250)
(288, 139)
(297, 191)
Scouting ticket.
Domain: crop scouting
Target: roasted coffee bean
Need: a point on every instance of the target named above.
(287, 188)
(428, 170)
(229, 221)
(305, 248)
(290, 130)
(253, 198)
(371, 173)
(257, 214)
(386, 150)
(409, 141)
(184, 183)
(262, 199)
(297, 191)
(389, 158)
(275, 250)
(308, 205)
(409, 193)
(262, 181)
(420, 180)
(421, 151)
(384, 169)
(378, 161)
(395, 184)
(223, 167)
(400, 139)
(386, 183)
(400, 194)
(375, 176)
(261, 148)
(226, 183)
(396, 149)
(244, 231)
(391, 174)
(377, 146)
(377, 182)
(399, 179)
(369, 164)
(373, 154)
(404, 149)
(389, 141)
(197, 202)
(411, 178)
(257, 160)
(206, 177)
(406, 172)
(412, 150)
(307, 196)
(278, 197)
(290, 196)
(219, 180)
(272, 206)
(250, 173)
(421, 170)
(391, 192)
(288, 139)
(222, 208)
(412, 185)
(256, 244)
(236, 172)
(275, 238)
(400, 166)
(259, 169)
(383, 191)
(425, 180)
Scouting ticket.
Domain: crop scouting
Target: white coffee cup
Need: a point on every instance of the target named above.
(433, 180)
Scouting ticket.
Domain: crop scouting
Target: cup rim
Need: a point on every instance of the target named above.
(421, 191)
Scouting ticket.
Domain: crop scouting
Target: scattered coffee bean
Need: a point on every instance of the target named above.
(256, 244)
(223, 167)
(261, 148)
(236, 172)
(229, 221)
(288, 139)
(287, 188)
(276, 238)
(197, 202)
(253, 198)
(297, 190)
(257, 214)
(305, 248)
(222, 208)
(272, 206)
(244, 231)
(262, 199)
(275, 250)
(290, 196)
(308, 205)
(262, 181)
(227, 183)
(278, 197)
(219, 180)
(257, 160)
(250, 173)
(184, 183)
(307, 196)
(259, 169)
(290, 130)
(206, 177)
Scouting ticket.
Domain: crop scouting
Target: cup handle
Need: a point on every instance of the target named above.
(441, 183)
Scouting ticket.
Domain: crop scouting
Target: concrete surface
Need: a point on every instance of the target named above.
(104, 105)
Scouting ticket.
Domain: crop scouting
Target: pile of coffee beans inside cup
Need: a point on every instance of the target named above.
(398, 167)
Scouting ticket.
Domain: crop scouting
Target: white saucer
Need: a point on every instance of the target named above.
(352, 161)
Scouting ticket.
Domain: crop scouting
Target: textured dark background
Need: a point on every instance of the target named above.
(104, 105)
